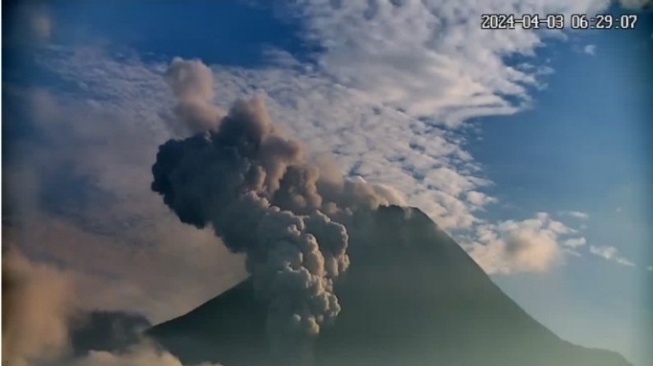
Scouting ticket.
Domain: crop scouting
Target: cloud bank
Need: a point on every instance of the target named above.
(37, 305)
(532, 245)
(44, 326)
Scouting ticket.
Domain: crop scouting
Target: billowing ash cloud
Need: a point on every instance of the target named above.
(192, 83)
(261, 194)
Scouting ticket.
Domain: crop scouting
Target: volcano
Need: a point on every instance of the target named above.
(411, 297)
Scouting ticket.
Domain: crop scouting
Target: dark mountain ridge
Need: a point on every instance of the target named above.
(412, 296)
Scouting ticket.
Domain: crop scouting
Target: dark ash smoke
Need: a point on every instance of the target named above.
(226, 179)
(261, 194)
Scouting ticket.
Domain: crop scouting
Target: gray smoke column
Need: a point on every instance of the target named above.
(260, 194)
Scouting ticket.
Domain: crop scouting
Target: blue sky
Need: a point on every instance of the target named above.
(586, 137)
(539, 140)
(584, 146)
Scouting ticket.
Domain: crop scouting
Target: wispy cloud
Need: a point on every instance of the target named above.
(427, 163)
(576, 215)
(610, 253)
(575, 242)
(532, 245)
(432, 58)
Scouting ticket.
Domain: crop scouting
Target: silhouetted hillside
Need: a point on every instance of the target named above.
(412, 296)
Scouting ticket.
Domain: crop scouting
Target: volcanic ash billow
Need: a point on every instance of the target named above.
(262, 196)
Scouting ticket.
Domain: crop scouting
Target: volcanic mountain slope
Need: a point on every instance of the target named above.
(412, 296)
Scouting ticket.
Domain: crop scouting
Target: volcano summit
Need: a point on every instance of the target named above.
(411, 297)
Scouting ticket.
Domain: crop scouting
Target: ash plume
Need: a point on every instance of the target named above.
(192, 84)
(262, 195)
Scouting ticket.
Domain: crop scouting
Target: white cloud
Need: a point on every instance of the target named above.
(625, 262)
(575, 242)
(480, 199)
(576, 215)
(532, 245)
(610, 253)
(431, 58)
(590, 49)
(141, 355)
(605, 251)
